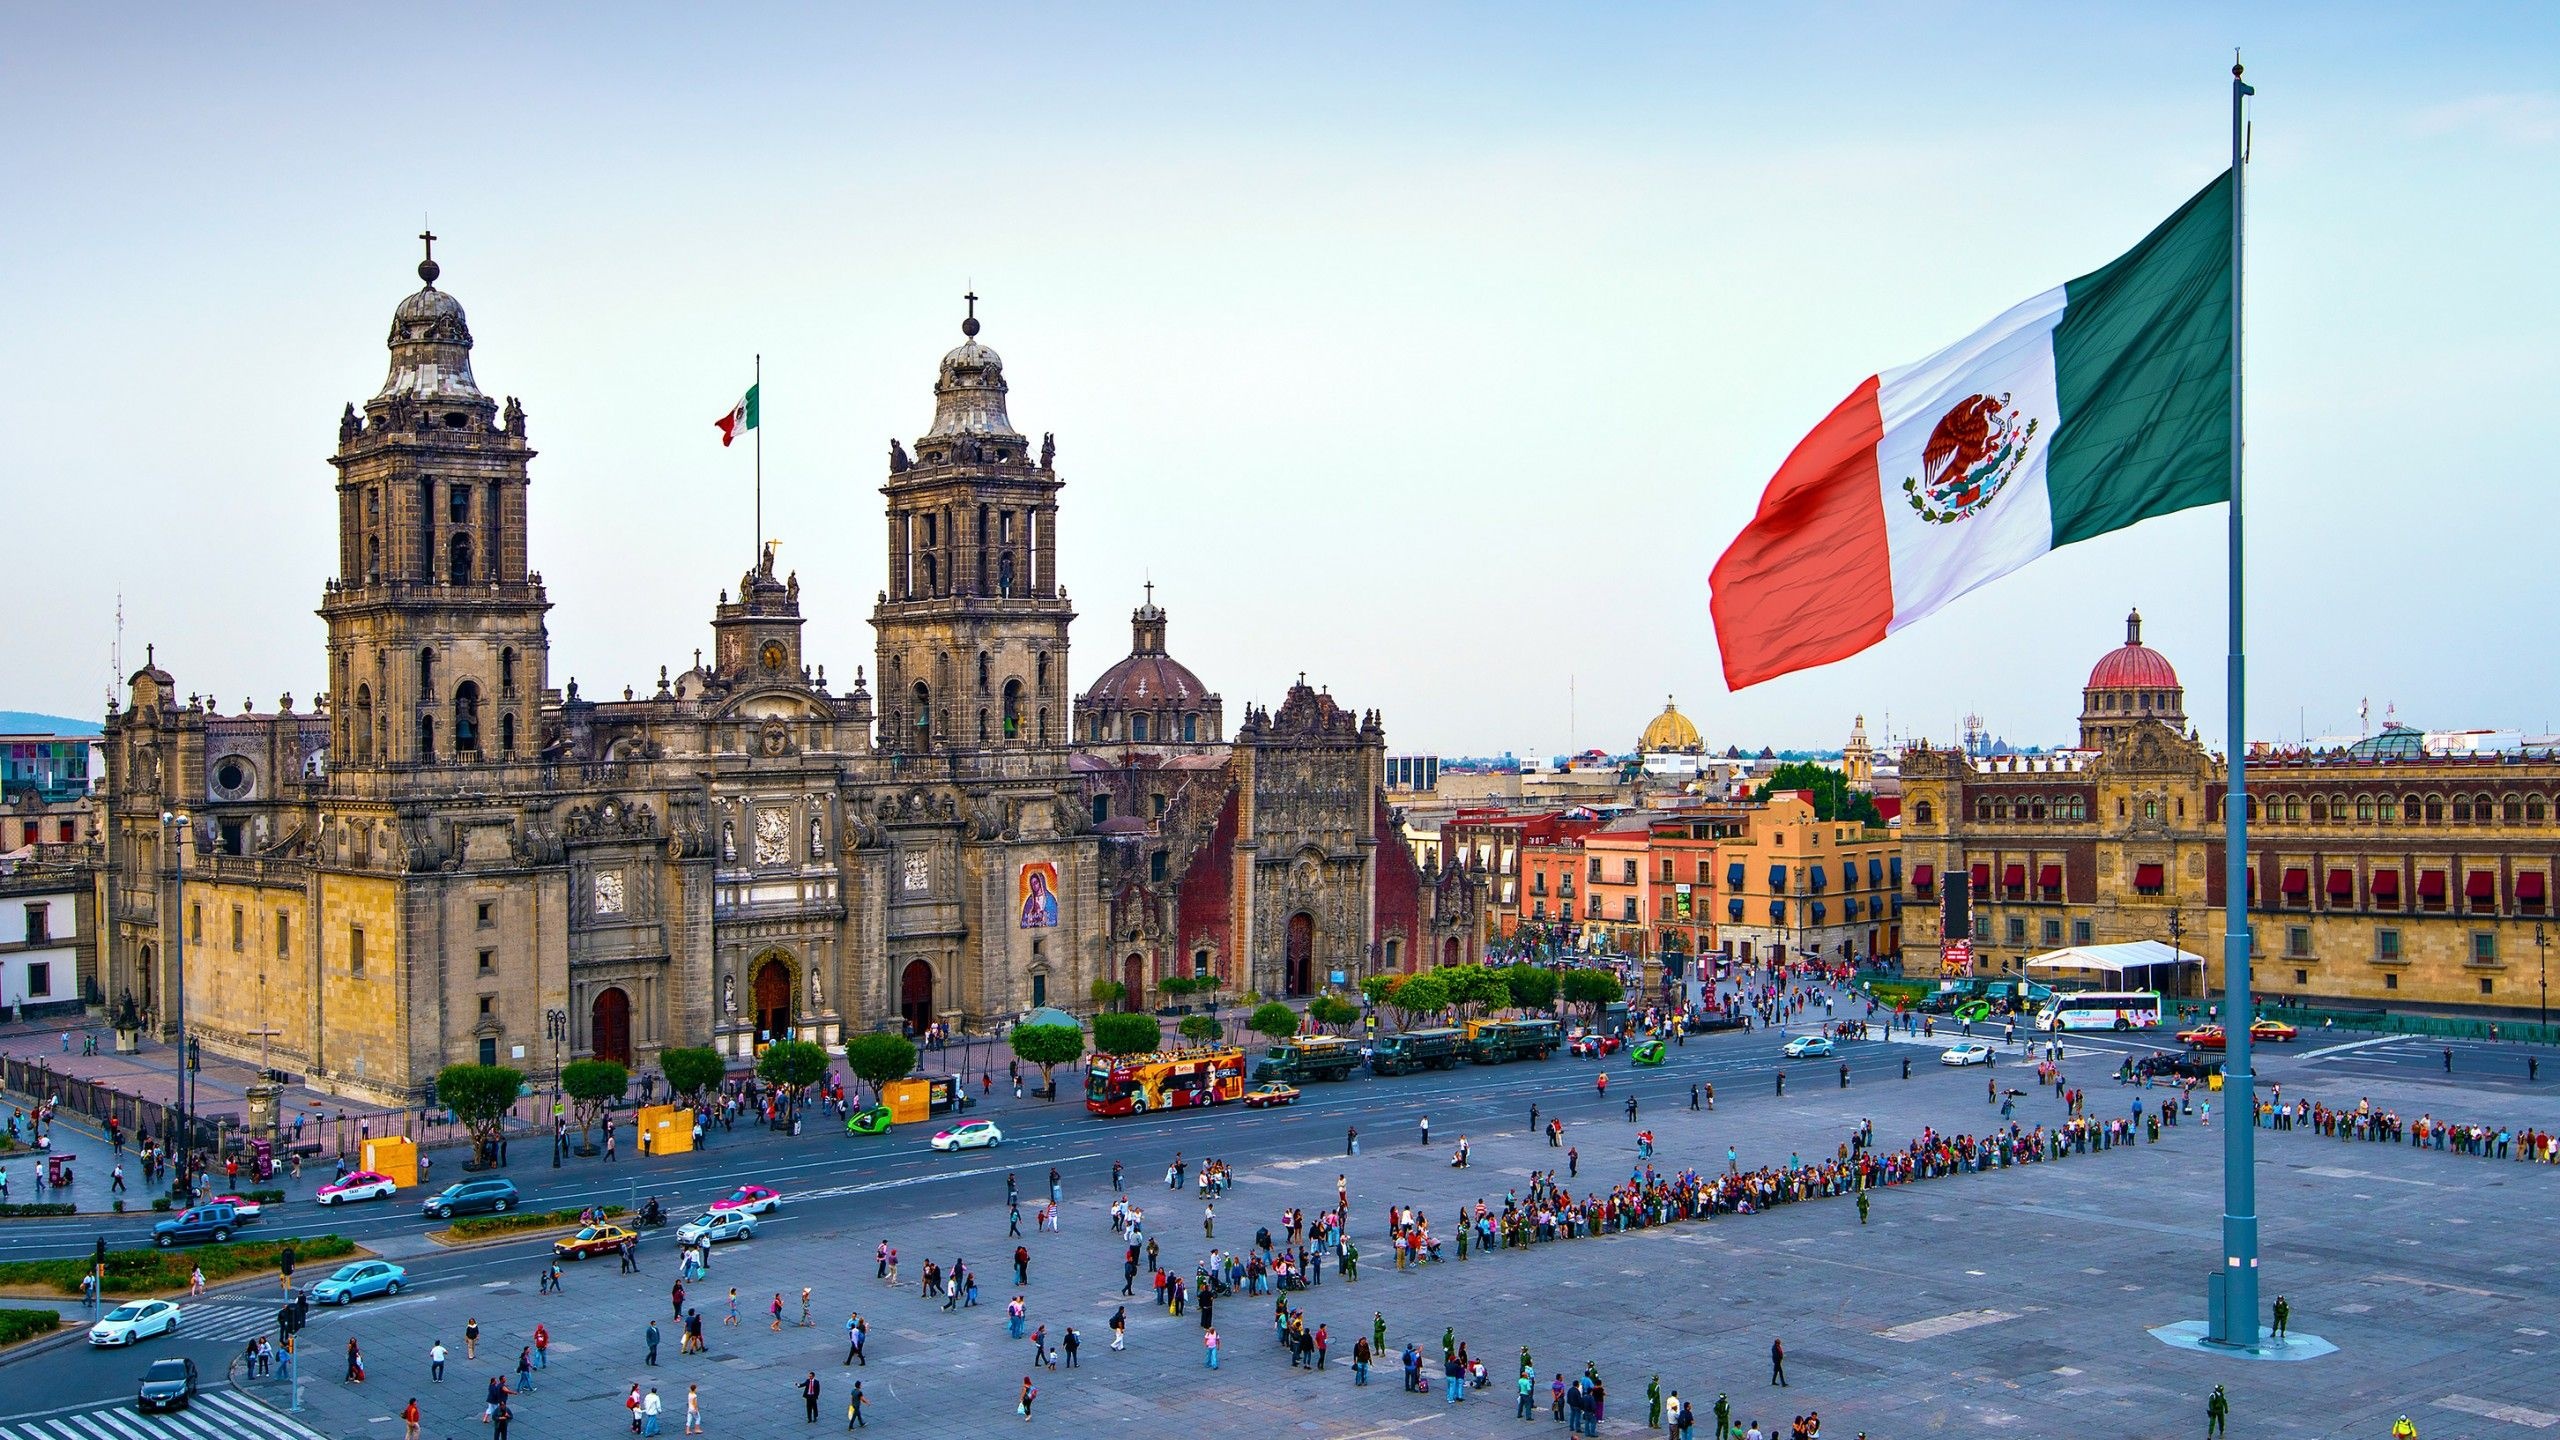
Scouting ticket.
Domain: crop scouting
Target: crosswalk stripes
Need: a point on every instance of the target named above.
(212, 1415)
(226, 1322)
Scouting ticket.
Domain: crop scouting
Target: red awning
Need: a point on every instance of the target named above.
(2148, 877)
(1981, 877)
(2386, 883)
(1923, 876)
(2430, 884)
(2049, 878)
(2481, 885)
(2529, 885)
(2014, 877)
(2297, 881)
(2342, 882)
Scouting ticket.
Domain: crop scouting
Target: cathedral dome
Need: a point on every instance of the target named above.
(430, 343)
(968, 391)
(2133, 665)
(1670, 731)
(1147, 678)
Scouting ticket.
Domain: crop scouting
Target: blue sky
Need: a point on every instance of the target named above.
(1434, 351)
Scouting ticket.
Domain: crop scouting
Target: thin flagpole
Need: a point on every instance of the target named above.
(2233, 1310)
(759, 392)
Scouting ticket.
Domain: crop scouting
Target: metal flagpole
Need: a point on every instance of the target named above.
(758, 392)
(2232, 1302)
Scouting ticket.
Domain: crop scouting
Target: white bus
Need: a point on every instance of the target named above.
(2101, 1010)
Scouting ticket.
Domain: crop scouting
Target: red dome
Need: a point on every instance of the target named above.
(2133, 665)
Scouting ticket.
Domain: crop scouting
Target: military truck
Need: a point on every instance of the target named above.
(1496, 1042)
(1410, 1050)
(1313, 1057)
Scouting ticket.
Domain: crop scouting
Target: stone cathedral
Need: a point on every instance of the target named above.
(446, 858)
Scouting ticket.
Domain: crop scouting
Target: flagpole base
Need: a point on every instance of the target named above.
(2197, 1336)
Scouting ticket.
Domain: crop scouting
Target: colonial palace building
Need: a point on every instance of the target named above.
(445, 858)
(2377, 872)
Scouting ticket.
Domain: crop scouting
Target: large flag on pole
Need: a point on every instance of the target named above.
(2096, 404)
(740, 419)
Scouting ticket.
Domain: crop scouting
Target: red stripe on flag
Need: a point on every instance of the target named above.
(1810, 580)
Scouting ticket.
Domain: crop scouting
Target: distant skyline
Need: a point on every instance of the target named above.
(1434, 351)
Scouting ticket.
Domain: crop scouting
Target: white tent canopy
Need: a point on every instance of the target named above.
(2138, 964)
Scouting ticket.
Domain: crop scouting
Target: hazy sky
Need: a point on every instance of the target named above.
(1434, 351)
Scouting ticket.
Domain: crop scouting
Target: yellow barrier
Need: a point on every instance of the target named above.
(395, 1156)
(908, 1100)
(665, 1129)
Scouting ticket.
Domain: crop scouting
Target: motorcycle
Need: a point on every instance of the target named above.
(652, 1214)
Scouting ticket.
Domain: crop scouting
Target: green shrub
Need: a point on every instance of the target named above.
(474, 1226)
(159, 1202)
(1123, 1034)
(151, 1270)
(33, 1209)
(265, 1197)
(17, 1325)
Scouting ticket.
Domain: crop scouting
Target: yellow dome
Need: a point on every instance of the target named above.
(1670, 730)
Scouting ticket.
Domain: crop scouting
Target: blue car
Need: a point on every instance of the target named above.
(354, 1282)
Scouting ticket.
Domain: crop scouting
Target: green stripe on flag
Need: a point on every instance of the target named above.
(749, 406)
(2142, 363)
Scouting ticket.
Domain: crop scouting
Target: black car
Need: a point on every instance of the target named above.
(2160, 1064)
(168, 1385)
(471, 1197)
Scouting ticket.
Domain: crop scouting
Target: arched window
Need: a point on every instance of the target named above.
(2435, 809)
(1004, 575)
(466, 717)
(1013, 709)
(1137, 727)
(2035, 808)
(2364, 808)
(982, 724)
(426, 737)
(2482, 808)
(506, 672)
(2293, 809)
(2412, 810)
(1042, 735)
(372, 559)
(1190, 728)
(1921, 812)
(2462, 808)
(457, 504)
(923, 721)
(458, 566)
(982, 672)
(932, 576)
(2319, 809)
(2533, 810)
(426, 674)
(363, 738)
(2513, 810)
(506, 732)
(1982, 808)
(1040, 672)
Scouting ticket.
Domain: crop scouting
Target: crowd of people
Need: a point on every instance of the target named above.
(2363, 1122)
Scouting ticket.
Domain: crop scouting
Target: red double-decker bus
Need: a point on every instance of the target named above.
(1165, 1080)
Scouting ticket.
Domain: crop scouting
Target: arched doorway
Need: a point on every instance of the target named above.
(1133, 975)
(609, 1026)
(915, 996)
(1302, 955)
(1449, 951)
(772, 990)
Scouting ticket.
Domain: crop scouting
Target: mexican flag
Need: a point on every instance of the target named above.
(2099, 403)
(740, 419)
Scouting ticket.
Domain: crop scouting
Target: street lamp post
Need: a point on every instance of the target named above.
(173, 829)
(2175, 929)
(556, 1024)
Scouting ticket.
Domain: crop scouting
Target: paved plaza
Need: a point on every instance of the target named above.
(2010, 1302)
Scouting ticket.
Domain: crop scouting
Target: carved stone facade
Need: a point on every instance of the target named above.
(446, 851)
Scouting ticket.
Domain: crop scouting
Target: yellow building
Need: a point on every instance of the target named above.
(1800, 887)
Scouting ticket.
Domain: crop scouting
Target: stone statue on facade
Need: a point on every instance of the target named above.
(898, 461)
(1048, 449)
(350, 425)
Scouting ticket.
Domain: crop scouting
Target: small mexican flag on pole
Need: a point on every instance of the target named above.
(741, 418)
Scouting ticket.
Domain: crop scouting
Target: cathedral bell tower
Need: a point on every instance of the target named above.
(972, 630)
(437, 650)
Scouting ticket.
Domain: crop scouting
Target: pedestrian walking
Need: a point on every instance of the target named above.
(1030, 1392)
(853, 1408)
(355, 1363)
(809, 1397)
(1209, 1338)
(471, 1335)
(1350, 1146)
(2217, 1411)
(2283, 1314)
(1120, 1328)
(651, 1407)
(693, 1409)
(435, 1362)
(1426, 1130)
(409, 1417)
(1777, 1362)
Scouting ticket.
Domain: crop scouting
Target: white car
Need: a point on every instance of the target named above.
(1804, 1045)
(1967, 1052)
(716, 1226)
(140, 1320)
(976, 1135)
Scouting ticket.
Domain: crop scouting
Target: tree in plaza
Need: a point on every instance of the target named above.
(692, 1070)
(479, 1097)
(1475, 989)
(1832, 797)
(1047, 1046)
(1275, 1020)
(1176, 987)
(1533, 987)
(592, 1085)
(880, 1057)
(1598, 989)
(1420, 997)
(1377, 988)
(1107, 993)
(1122, 1034)
(1200, 1029)
(795, 1065)
(1329, 1010)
